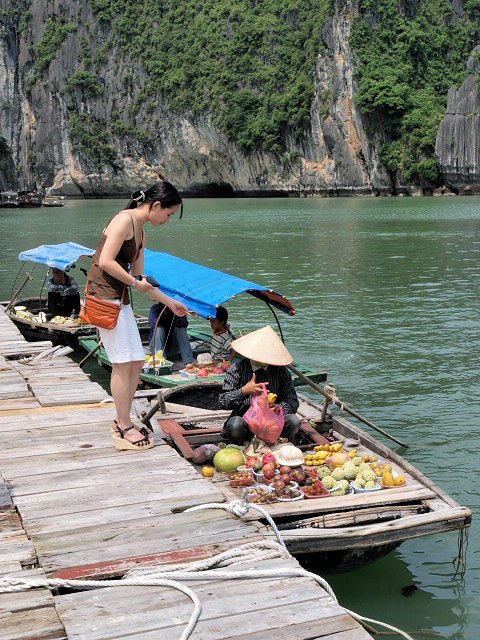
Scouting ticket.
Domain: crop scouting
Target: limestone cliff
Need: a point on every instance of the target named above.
(457, 145)
(45, 127)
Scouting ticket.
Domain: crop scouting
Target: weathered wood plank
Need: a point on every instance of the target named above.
(57, 417)
(92, 511)
(230, 609)
(21, 625)
(16, 404)
(148, 537)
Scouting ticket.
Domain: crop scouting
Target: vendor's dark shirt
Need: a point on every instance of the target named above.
(63, 299)
(279, 381)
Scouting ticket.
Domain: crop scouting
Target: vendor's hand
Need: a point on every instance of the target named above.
(252, 388)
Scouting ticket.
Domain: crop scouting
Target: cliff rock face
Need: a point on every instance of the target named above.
(41, 124)
(457, 146)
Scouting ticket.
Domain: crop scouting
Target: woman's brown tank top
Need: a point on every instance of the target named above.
(100, 283)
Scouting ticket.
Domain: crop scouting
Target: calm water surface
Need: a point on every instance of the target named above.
(387, 296)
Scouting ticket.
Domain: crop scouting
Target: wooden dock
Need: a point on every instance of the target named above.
(72, 507)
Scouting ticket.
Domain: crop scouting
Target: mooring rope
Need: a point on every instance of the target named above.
(14, 583)
(205, 569)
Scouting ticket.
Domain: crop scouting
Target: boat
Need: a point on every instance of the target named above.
(9, 200)
(51, 201)
(337, 533)
(171, 374)
(201, 289)
(30, 314)
(27, 198)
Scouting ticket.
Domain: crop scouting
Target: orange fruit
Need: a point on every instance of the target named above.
(207, 471)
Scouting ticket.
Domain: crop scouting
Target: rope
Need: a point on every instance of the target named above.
(240, 508)
(205, 569)
(11, 583)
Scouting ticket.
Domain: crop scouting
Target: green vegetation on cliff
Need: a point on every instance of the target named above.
(248, 64)
(407, 62)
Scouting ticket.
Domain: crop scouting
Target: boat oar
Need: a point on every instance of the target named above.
(15, 295)
(91, 352)
(333, 398)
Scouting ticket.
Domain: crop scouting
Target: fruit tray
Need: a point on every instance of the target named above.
(296, 495)
(325, 494)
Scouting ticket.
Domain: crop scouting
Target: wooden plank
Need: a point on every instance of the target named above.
(176, 431)
(141, 538)
(18, 404)
(65, 501)
(19, 625)
(62, 416)
(258, 608)
(301, 540)
(356, 516)
(28, 599)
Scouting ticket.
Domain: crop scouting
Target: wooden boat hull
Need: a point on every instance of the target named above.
(343, 532)
(59, 334)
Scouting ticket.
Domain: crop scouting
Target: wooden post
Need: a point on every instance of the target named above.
(14, 297)
(161, 402)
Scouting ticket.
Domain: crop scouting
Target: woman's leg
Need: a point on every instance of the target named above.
(123, 385)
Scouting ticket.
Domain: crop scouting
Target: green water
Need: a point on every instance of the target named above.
(387, 297)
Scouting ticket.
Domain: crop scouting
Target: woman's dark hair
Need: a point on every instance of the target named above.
(222, 315)
(162, 192)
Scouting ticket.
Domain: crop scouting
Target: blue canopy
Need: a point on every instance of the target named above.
(202, 289)
(60, 256)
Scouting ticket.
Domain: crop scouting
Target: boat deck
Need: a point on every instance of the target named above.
(72, 507)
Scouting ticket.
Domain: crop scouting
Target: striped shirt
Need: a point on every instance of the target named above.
(279, 381)
(220, 345)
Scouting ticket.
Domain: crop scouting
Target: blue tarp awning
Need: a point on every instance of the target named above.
(201, 288)
(60, 256)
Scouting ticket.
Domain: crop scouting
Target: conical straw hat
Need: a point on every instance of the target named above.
(263, 345)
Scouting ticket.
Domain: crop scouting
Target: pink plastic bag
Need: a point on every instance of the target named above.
(263, 421)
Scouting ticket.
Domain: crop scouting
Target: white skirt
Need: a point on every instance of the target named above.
(123, 343)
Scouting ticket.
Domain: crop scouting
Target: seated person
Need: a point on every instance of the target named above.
(265, 360)
(170, 333)
(63, 295)
(220, 344)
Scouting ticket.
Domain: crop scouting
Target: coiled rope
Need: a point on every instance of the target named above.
(206, 569)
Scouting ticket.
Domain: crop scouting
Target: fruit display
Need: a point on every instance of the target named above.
(341, 472)
(261, 495)
(241, 479)
(205, 370)
(59, 319)
(328, 471)
(315, 490)
(228, 459)
(321, 452)
(157, 360)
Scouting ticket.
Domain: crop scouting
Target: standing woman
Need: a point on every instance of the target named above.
(116, 267)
